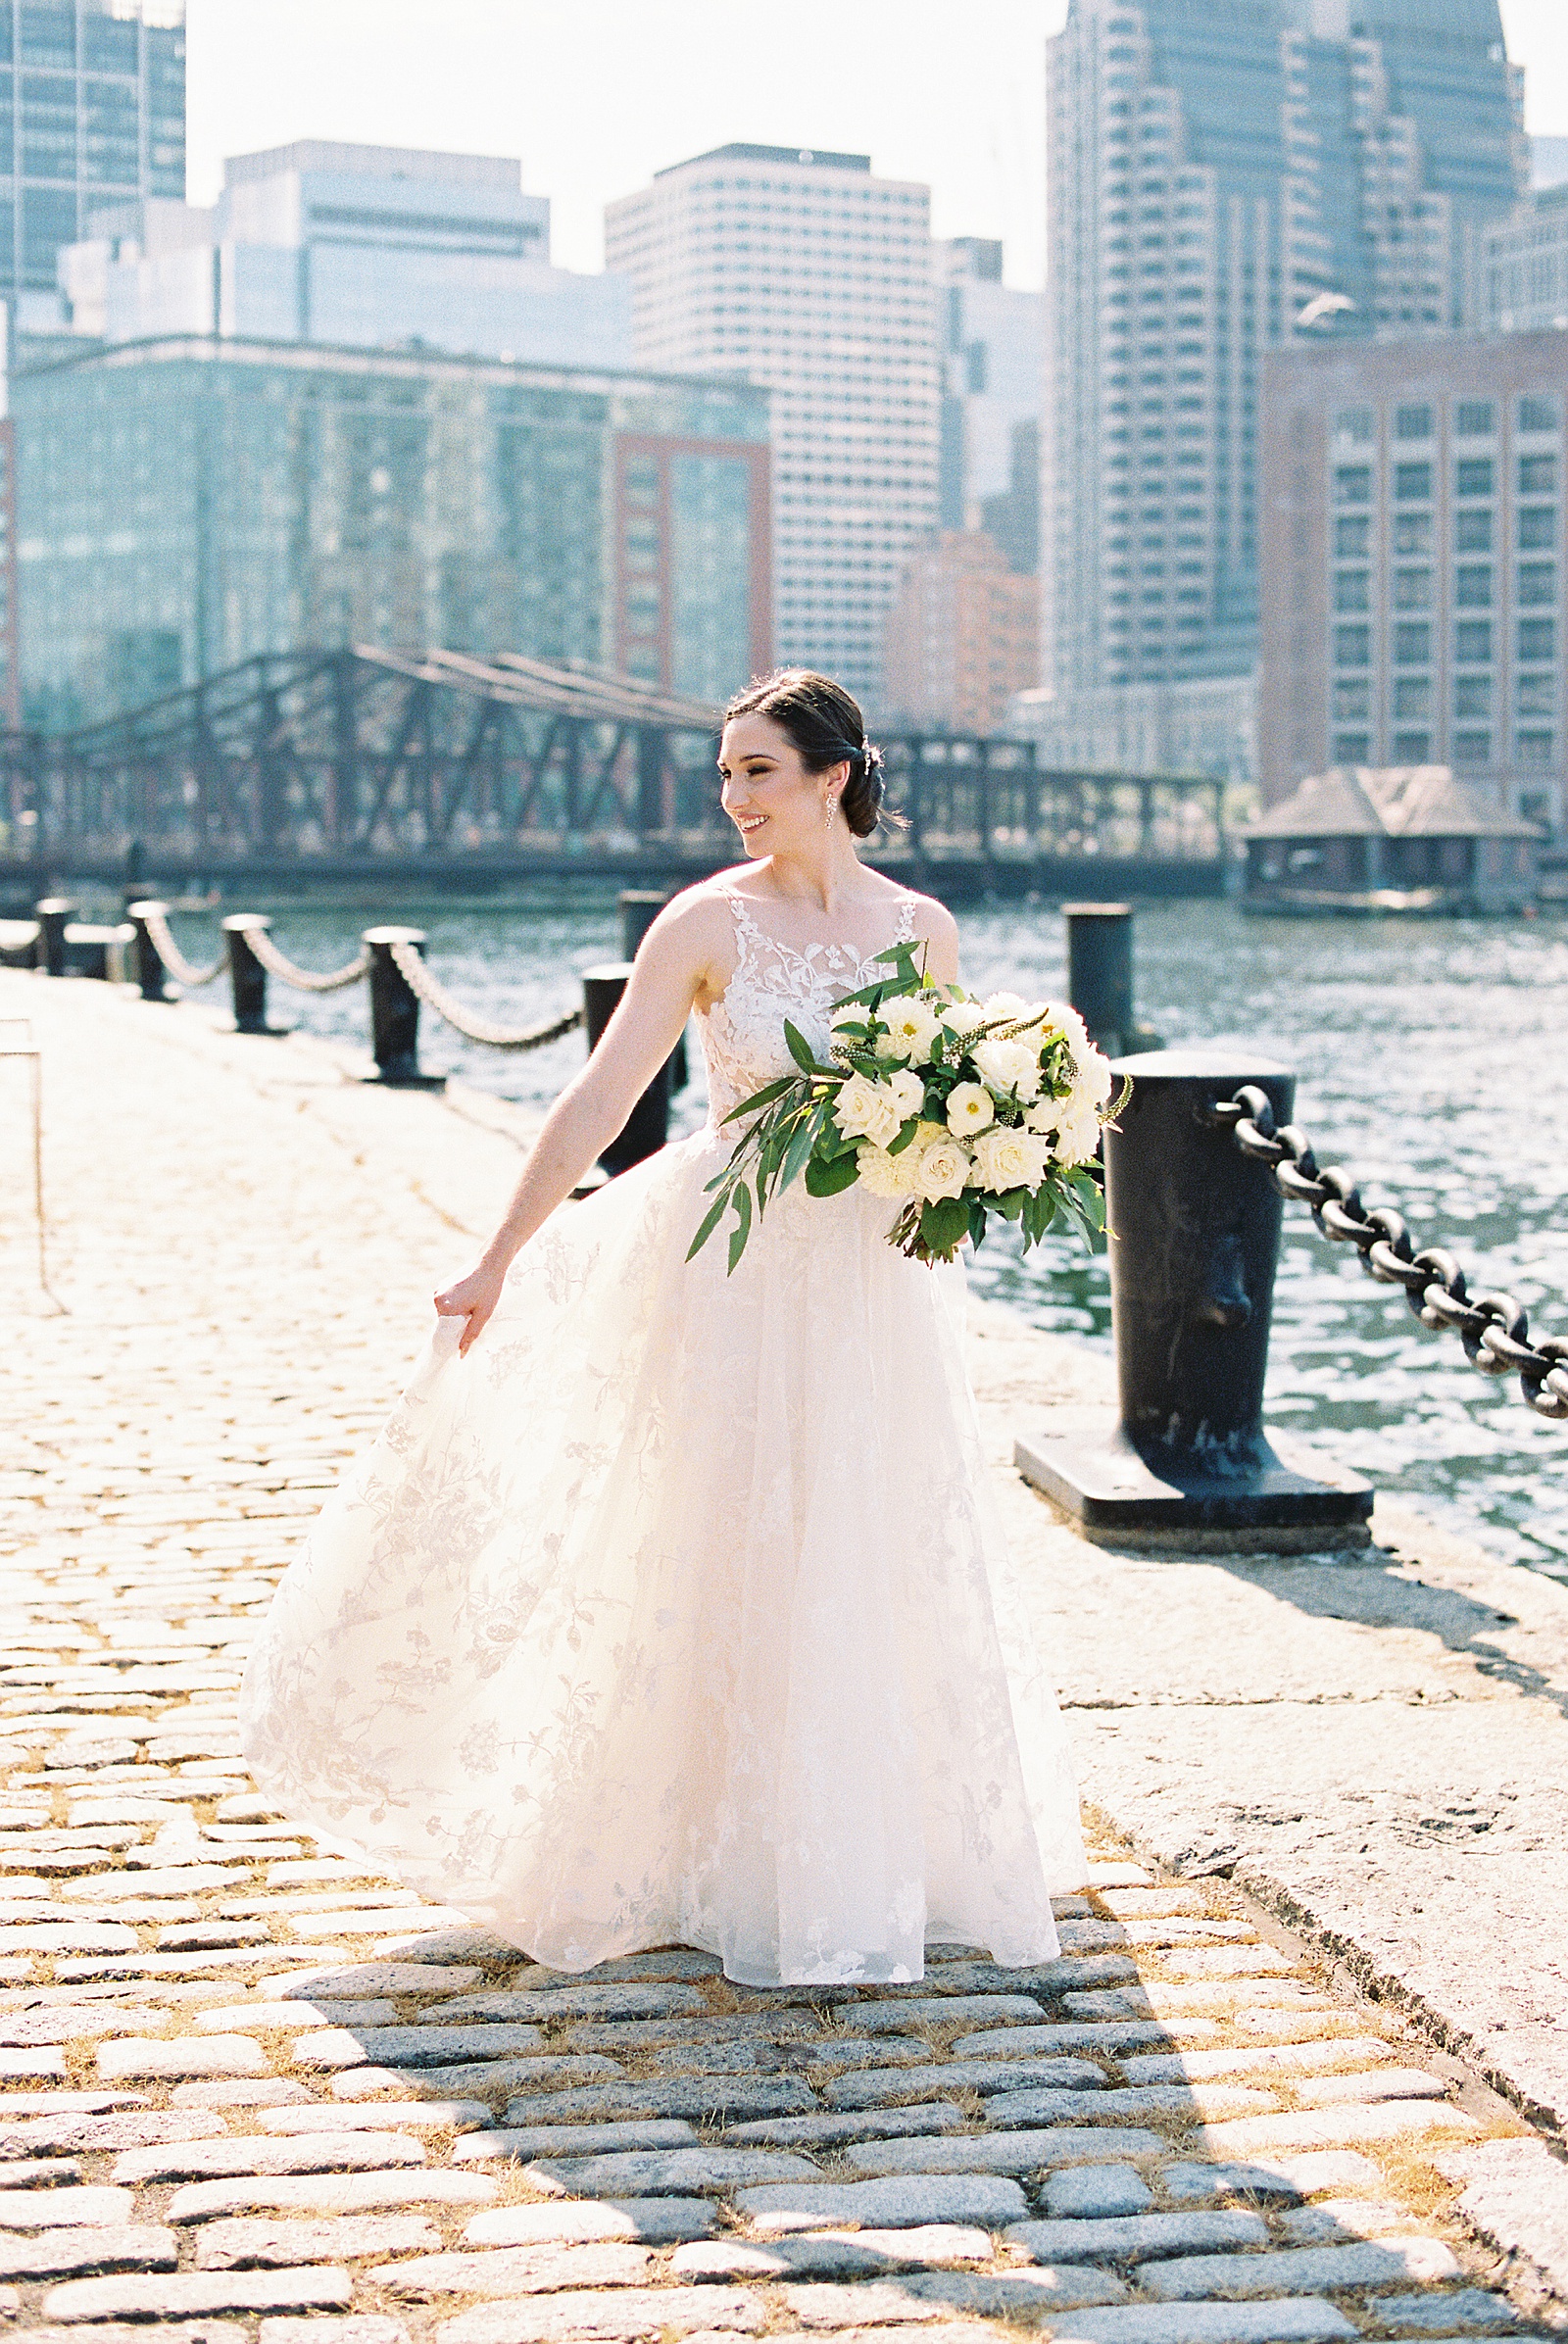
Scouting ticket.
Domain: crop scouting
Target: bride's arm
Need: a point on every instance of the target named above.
(674, 966)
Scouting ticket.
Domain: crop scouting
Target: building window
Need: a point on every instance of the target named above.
(1538, 475)
(1412, 533)
(1412, 645)
(1413, 697)
(1353, 647)
(1472, 749)
(1537, 584)
(1474, 477)
(1539, 414)
(1476, 418)
(1353, 484)
(1412, 590)
(1473, 642)
(1352, 703)
(1538, 695)
(1353, 537)
(1472, 695)
(1473, 586)
(1351, 590)
(1534, 749)
(1471, 530)
(1412, 423)
(1412, 748)
(1538, 639)
(1538, 526)
(1412, 483)
(1355, 424)
(1352, 749)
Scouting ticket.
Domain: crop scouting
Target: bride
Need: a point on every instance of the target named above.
(669, 1606)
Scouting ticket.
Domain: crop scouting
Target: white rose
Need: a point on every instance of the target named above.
(943, 1170)
(907, 1092)
(1046, 1113)
(961, 1017)
(1002, 1007)
(1078, 1133)
(969, 1108)
(1095, 1080)
(913, 1027)
(884, 1175)
(1007, 1159)
(863, 1110)
(1012, 1069)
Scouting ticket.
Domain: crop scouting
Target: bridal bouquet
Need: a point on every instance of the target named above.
(959, 1108)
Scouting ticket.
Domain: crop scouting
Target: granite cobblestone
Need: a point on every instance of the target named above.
(330, 2113)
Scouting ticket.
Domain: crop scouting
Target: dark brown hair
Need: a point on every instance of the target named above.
(827, 729)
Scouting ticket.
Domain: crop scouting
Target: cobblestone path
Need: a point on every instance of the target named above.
(249, 2090)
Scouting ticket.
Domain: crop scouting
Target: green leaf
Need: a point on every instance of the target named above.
(906, 1132)
(827, 1179)
(710, 1221)
(944, 1225)
(743, 1229)
(977, 1223)
(763, 1097)
(801, 1051)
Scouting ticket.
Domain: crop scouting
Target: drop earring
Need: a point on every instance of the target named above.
(829, 809)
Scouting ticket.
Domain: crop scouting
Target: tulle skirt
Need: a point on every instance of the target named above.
(676, 1612)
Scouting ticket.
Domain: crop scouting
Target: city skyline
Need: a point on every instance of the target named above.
(960, 108)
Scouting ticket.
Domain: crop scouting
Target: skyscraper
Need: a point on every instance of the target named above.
(1225, 176)
(807, 273)
(991, 349)
(92, 111)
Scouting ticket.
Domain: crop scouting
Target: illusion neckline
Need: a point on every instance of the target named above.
(805, 955)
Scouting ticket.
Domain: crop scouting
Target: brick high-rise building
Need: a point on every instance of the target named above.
(962, 635)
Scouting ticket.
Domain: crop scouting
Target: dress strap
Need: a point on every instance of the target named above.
(906, 927)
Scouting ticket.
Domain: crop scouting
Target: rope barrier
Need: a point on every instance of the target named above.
(434, 994)
(304, 980)
(185, 972)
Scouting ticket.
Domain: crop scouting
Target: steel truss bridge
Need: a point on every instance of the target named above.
(352, 765)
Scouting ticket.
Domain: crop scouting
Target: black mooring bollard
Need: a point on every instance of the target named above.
(51, 914)
(647, 1127)
(1196, 1234)
(247, 978)
(640, 907)
(395, 1013)
(146, 960)
(1099, 976)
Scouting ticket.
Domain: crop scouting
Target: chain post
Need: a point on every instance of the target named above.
(51, 914)
(146, 960)
(1196, 1234)
(395, 1013)
(247, 978)
(647, 1127)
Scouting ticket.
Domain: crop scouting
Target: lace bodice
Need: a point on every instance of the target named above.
(743, 1034)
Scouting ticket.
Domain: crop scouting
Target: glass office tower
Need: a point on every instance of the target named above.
(92, 111)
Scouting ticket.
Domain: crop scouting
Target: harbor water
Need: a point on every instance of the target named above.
(1432, 1059)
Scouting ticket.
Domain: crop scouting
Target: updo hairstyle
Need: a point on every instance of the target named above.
(827, 728)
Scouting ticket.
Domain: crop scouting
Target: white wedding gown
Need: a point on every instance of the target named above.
(676, 1612)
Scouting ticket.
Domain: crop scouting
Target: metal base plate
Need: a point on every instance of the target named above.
(1086, 1465)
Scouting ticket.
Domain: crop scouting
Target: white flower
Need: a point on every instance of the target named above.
(884, 1175)
(1095, 1080)
(1006, 1159)
(943, 1170)
(961, 1017)
(1010, 1069)
(1061, 1019)
(969, 1108)
(913, 1027)
(907, 1092)
(863, 1110)
(1078, 1133)
(1046, 1113)
(1000, 1007)
(850, 1013)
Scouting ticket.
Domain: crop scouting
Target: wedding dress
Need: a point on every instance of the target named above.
(675, 1611)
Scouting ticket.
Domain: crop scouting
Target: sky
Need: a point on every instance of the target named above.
(595, 95)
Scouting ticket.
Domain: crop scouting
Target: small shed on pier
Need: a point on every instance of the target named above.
(1396, 838)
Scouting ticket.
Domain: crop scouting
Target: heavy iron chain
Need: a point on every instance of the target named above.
(185, 972)
(1493, 1327)
(434, 994)
(278, 965)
